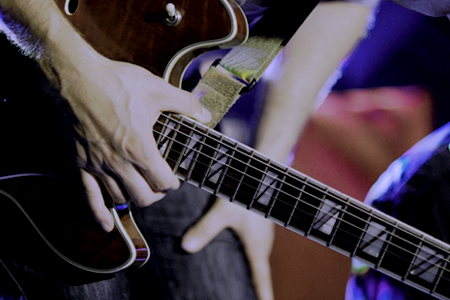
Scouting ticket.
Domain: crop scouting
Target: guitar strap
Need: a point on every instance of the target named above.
(244, 65)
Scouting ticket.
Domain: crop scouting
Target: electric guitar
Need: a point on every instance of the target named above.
(209, 160)
(180, 31)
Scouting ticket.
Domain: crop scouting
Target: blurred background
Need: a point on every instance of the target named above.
(393, 91)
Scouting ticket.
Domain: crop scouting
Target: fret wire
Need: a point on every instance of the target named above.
(285, 172)
(164, 126)
(296, 203)
(169, 146)
(366, 225)
(195, 158)
(291, 214)
(272, 202)
(365, 231)
(224, 174)
(415, 255)
(316, 215)
(357, 217)
(441, 271)
(386, 247)
(388, 243)
(367, 222)
(185, 146)
(335, 228)
(242, 175)
(268, 163)
(177, 163)
(212, 159)
(333, 197)
(260, 183)
(161, 136)
(220, 182)
(172, 140)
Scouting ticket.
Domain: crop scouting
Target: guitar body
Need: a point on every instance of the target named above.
(135, 31)
(55, 207)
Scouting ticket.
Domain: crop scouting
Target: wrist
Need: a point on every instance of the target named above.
(66, 53)
(40, 29)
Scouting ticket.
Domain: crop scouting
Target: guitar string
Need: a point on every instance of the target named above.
(326, 192)
(294, 187)
(340, 219)
(389, 244)
(441, 277)
(413, 255)
(282, 191)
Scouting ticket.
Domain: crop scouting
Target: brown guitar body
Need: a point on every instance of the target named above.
(57, 210)
(135, 31)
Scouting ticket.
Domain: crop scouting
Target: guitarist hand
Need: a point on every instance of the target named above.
(116, 105)
(112, 107)
(255, 232)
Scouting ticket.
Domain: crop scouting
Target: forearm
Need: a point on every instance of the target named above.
(110, 107)
(328, 34)
(43, 33)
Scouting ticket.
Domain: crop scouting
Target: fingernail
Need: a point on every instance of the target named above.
(206, 113)
(198, 93)
(106, 227)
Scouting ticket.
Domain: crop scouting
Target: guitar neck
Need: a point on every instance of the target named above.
(231, 170)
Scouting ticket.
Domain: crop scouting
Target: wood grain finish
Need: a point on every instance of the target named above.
(134, 30)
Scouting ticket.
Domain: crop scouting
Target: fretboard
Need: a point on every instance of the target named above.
(233, 171)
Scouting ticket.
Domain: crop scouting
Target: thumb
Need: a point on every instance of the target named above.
(204, 231)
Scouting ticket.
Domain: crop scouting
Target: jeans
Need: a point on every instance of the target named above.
(34, 142)
(220, 271)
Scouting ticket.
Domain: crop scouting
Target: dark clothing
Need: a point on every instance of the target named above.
(219, 271)
(415, 190)
(406, 48)
(33, 142)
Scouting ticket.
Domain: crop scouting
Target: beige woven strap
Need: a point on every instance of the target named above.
(218, 93)
(219, 89)
(244, 65)
(251, 59)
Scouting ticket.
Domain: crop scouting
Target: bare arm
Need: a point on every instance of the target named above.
(114, 106)
(327, 35)
(311, 56)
